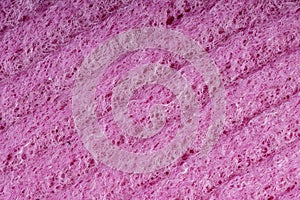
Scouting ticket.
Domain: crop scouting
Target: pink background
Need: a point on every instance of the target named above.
(255, 45)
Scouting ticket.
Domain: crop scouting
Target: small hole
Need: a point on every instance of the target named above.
(187, 9)
(179, 16)
(170, 20)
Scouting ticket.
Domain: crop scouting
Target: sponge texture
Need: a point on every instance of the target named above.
(207, 106)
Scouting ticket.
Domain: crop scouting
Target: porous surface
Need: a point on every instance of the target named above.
(145, 97)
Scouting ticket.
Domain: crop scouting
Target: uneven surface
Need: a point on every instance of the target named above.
(255, 45)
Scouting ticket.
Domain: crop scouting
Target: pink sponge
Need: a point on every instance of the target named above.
(149, 100)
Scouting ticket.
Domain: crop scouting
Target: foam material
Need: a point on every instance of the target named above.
(230, 82)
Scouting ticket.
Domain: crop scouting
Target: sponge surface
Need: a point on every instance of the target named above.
(149, 99)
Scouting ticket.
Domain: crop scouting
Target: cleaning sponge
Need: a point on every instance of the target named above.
(234, 90)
